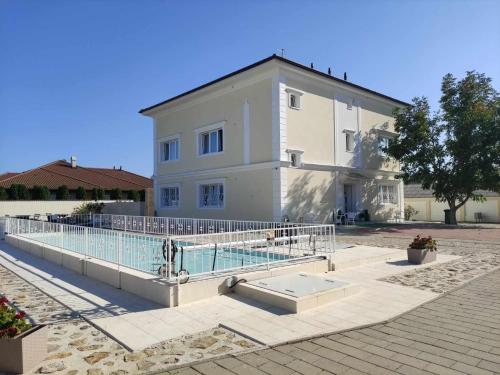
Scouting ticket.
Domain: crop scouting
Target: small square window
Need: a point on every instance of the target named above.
(349, 141)
(383, 143)
(295, 158)
(294, 100)
(349, 104)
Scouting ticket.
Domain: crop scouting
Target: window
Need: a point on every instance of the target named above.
(170, 197)
(170, 150)
(295, 158)
(387, 194)
(383, 143)
(349, 104)
(211, 195)
(349, 141)
(211, 142)
(294, 98)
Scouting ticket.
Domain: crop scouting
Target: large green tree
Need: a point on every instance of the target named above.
(454, 152)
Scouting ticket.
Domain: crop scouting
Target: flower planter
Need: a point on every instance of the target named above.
(421, 256)
(21, 353)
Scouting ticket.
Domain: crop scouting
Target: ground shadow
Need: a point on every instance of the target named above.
(112, 301)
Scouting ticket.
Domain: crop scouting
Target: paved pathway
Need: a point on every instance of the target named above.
(459, 333)
(472, 232)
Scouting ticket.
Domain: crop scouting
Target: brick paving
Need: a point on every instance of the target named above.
(458, 333)
(463, 232)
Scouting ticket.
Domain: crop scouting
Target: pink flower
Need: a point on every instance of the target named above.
(3, 300)
(20, 315)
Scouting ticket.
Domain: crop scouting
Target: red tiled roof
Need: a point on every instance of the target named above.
(5, 175)
(60, 173)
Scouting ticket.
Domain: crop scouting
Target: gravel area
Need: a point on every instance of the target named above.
(478, 258)
(76, 347)
(447, 276)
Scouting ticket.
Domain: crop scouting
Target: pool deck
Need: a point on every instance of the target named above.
(138, 323)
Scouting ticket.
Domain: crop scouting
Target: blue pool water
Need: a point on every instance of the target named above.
(146, 254)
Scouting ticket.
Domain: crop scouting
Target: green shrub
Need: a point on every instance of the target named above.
(97, 194)
(18, 192)
(80, 193)
(89, 208)
(116, 194)
(409, 212)
(133, 195)
(3, 194)
(40, 193)
(12, 322)
(62, 193)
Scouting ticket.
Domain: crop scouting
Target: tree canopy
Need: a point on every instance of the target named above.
(454, 152)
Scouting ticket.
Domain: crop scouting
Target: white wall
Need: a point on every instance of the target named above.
(31, 208)
(124, 208)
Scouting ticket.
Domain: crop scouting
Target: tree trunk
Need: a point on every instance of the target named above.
(453, 211)
(453, 215)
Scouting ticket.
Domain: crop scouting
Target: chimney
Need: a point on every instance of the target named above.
(345, 76)
(73, 161)
(312, 66)
(329, 71)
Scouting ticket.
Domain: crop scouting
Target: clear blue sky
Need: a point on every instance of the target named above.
(73, 74)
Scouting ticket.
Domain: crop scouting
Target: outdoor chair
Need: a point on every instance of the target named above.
(351, 218)
(338, 217)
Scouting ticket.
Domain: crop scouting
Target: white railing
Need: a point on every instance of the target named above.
(170, 225)
(207, 254)
(180, 257)
(132, 250)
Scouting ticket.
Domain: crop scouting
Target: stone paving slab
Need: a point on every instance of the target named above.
(457, 334)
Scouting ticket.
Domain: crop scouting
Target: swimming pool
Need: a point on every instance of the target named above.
(145, 253)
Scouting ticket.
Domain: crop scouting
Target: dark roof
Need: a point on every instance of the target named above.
(60, 173)
(282, 59)
(416, 191)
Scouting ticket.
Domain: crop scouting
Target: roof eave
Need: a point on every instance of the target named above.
(148, 110)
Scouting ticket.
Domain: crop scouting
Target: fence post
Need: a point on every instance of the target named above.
(267, 245)
(61, 229)
(86, 241)
(169, 264)
(144, 224)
